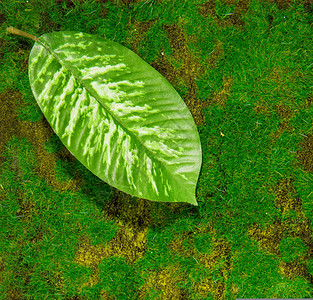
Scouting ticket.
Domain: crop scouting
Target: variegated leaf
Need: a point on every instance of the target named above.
(117, 115)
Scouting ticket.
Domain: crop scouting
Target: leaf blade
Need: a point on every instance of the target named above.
(117, 115)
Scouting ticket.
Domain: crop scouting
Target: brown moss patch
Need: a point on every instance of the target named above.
(308, 7)
(215, 55)
(286, 115)
(308, 101)
(2, 18)
(285, 196)
(207, 286)
(281, 4)
(24, 54)
(14, 293)
(221, 97)
(165, 282)
(129, 242)
(276, 75)
(177, 38)
(305, 153)
(280, 79)
(208, 9)
(293, 270)
(196, 106)
(10, 101)
(189, 70)
(37, 237)
(262, 107)
(69, 3)
(27, 210)
(90, 255)
(220, 255)
(124, 2)
(235, 19)
(286, 200)
(283, 111)
(53, 279)
(269, 237)
(166, 68)
(283, 126)
(105, 295)
(3, 44)
(136, 34)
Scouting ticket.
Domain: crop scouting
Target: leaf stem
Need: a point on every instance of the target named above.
(21, 33)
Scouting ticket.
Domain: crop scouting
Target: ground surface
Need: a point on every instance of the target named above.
(244, 69)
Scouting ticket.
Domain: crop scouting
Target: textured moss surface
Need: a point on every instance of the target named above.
(244, 69)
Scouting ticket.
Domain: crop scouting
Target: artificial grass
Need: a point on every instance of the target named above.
(244, 69)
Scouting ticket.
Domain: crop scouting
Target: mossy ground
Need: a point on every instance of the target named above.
(244, 69)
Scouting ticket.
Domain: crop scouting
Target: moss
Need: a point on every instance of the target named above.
(215, 260)
(244, 70)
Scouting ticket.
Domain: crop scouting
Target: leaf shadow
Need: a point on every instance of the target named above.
(143, 213)
(122, 207)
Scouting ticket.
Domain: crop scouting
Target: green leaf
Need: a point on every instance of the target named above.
(117, 115)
